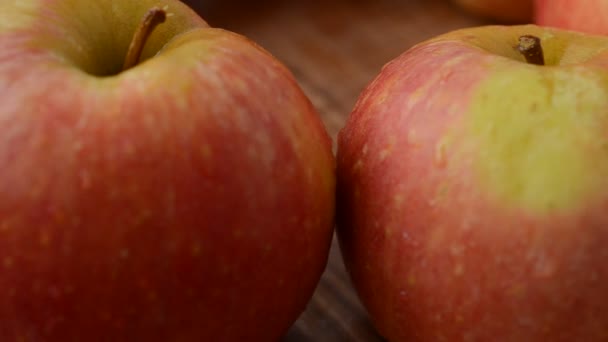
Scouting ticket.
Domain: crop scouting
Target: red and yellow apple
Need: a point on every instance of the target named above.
(512, 11)
(472, 189)
(187, 198)
(589, 16)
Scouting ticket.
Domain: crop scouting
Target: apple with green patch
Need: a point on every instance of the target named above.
(589, 16)
(160, 180)
(472, 188)
(507, 11)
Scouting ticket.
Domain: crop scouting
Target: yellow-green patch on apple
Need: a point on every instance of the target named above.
(556, 123)
(543, 152)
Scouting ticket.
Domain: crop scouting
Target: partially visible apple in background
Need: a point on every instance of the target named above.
(180, 191)
(472, 188)
(507, 11)
(589, 16)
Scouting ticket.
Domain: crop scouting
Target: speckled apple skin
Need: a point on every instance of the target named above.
(433, 252)
(585, 16)
(188, 199)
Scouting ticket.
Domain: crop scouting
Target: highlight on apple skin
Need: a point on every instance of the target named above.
(504, 11)
(584, 16)
(472, 190)
(187, 198)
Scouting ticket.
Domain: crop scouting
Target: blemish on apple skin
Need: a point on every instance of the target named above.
(544, 268)
(388, 231)
(7, 262)
(237, 234)
(457, 250)
(534, 107)
(459, 269)
(384, 153)
(440, 154)
(124, 253)
(365, 149)
(412, 139)
(206, 151)
(267, 248)
(253, 153)
(517, 290)
(85, 179)
(5, 226)
(196, 249)
(45, 239)
(129, 148)
(309, 175)
(54, 292)
(308, 224)
(358, 165)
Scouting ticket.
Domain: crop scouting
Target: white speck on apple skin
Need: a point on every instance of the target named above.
(457, 250)
(398, 200)
(365, 149)
(459, 269)
(384, 153)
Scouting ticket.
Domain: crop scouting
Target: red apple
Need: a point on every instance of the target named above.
(589, 16)
(187, 198)
(472, 189)
(513, 11)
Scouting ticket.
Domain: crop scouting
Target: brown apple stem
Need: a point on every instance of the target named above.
(153, 18)
(531, 48)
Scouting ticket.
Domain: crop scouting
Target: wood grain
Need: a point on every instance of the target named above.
(334, 49)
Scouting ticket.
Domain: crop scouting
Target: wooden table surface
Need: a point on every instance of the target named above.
(334, 48)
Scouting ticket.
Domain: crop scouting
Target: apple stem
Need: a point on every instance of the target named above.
(153, 18)
(531, 48)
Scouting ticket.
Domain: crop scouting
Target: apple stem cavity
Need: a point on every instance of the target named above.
(153, 18)
(531, 48)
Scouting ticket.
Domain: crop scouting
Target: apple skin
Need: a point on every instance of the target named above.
(471, 197)
(190, 198)
(505, 11)
(584, 16)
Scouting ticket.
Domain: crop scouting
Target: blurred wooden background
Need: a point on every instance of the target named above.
(334, 48)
